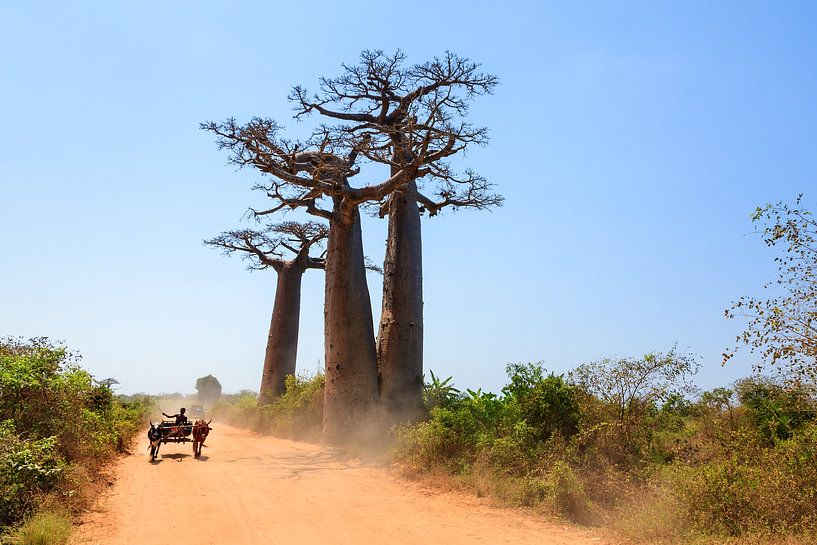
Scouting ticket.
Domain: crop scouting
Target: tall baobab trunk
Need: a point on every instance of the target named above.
(351, 357)
(400, 340)
(282, 341)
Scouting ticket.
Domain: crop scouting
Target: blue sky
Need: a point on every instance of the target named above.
(630, 139)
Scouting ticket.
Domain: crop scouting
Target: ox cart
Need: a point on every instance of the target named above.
(168, 431)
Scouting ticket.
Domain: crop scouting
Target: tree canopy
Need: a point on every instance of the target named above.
(783, 327)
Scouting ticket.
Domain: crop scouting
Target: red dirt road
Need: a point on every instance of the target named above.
(253, 490)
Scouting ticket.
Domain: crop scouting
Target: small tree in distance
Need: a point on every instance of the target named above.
(208, 389)
(267, 249)
(627, 390)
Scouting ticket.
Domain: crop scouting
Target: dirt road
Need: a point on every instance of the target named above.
(255, 490)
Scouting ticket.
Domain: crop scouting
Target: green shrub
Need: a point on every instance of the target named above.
(54, 418)
(547, 403)
(777, 411)
(27, 469)
(297, 413)
(439, 393)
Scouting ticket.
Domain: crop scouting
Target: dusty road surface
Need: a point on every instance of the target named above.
(253, 490)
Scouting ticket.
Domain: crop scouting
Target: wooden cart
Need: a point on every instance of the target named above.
(167, 431)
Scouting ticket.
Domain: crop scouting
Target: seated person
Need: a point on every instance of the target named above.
(180, 417)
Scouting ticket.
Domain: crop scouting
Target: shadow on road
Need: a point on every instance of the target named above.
(178, 456)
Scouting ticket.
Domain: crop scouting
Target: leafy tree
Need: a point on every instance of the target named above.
(548, 404)
(783, 328)
(777, 411)
(631, 386)
(718, 399)
(629, 391)
(208, 389)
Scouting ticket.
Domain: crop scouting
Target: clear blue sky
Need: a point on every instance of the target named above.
(631, 141)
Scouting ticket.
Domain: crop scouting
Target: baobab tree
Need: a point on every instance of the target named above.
(412, 119)
(268, 249)
(314, 175)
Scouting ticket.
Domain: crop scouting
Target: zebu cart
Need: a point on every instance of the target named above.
(167, 431)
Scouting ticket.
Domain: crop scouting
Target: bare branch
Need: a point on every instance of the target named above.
(266, 248)
(411, 118)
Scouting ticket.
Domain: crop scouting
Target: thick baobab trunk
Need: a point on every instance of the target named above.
(351, 356)
(400, 340)
(282, 342)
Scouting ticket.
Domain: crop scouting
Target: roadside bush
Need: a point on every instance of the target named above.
(515, 446)
(622, 398)
(28, 468)
(54, 419)
(239, 409)
(297, 413)
(546, 403)
(776, 411)
(755, 488)
(439, 393)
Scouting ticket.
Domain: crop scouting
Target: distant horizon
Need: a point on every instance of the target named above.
(631, 142)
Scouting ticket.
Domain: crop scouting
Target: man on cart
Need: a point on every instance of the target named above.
(180, 416)
(181, 422)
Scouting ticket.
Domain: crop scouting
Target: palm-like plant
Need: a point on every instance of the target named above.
(439, 393)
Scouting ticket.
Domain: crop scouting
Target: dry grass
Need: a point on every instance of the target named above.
(657, 517)
(44, 528)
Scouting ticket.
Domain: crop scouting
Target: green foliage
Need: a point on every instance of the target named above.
(546, 403)
(622, 399)
(27, 468)
(776, 411)
(623, 439)
(208, 389)
(783, 329)
(480, 436)
(53, 417)
(298, 413)
(439, 393)
(630, 387)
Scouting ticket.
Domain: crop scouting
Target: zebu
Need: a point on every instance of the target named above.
(168, 431)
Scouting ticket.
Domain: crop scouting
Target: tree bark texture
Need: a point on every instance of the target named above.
(282, 341)
(351, 357)
(400, 340)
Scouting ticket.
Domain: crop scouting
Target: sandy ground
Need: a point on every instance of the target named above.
(247, 489)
